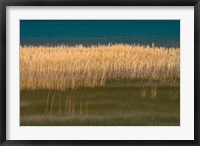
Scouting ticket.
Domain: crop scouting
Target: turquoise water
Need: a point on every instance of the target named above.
(93, 32)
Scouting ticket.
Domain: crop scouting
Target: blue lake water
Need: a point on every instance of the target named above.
(93, 32)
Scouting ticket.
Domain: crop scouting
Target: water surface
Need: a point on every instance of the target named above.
(93, 32)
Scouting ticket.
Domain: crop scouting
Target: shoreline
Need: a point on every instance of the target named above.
(152, 45)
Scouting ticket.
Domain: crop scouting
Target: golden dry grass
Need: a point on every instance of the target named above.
(62, 67)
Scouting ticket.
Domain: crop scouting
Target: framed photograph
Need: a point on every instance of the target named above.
(99, 72)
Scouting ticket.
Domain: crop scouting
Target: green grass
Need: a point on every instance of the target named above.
(119, 103)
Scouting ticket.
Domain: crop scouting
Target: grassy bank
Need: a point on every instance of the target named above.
(116, 85)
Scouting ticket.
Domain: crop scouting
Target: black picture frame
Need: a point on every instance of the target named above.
(5, 3)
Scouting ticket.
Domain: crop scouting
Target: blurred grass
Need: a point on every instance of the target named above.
(119, 103)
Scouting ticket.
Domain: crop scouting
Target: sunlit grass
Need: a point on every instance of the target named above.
(63, 67)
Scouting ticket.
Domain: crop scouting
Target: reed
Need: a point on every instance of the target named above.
(143, 91)
(52, 101)
(154, 91)
(47, 104)
(64, 67)
(66, 104)
(59, 105)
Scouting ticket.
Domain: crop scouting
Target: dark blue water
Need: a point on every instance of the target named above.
(93, 32)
